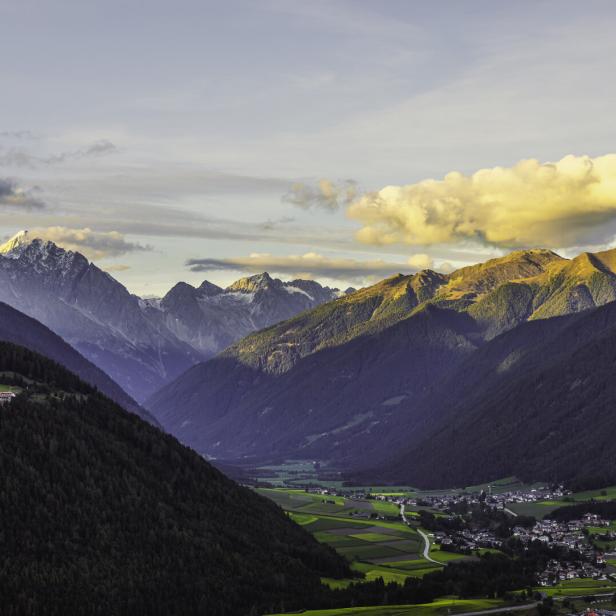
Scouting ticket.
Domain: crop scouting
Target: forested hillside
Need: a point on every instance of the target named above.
(102, 511)
(21, 329)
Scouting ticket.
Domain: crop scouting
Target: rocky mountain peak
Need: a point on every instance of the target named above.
(208, 289)
(11, 246)
(252, 284)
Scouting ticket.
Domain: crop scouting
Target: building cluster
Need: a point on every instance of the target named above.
(496, 501)
(6, 397)
(468, 540)
(560, 571)
(569, 535)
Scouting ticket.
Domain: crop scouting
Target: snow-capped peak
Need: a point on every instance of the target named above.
(10, 247)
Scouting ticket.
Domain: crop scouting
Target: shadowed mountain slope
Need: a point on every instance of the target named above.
(101, 510)
(20, 329)
(536, 402)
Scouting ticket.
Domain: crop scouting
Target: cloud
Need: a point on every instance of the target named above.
(421, 261)
(553, 205)
(17, 134)
(92, 244)
(308, 265)
(19, 157)
(12, 195)
(103, 147)
(120, 267)
(325, 194)
(270, 224)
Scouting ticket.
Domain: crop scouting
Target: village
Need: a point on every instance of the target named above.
(7, 397)
(585, 560)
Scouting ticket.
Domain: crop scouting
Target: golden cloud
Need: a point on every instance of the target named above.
(553, 205)
(92, 244)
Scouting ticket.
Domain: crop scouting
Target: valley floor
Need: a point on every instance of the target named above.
(385, 540)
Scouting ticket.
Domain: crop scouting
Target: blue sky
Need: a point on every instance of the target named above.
(241, 133)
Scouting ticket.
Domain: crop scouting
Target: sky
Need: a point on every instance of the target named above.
(342, 141)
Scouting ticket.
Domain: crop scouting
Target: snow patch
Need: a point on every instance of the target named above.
(291, 290)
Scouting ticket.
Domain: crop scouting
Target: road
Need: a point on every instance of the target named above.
(513, 513)
(426, 550)
(497, 610)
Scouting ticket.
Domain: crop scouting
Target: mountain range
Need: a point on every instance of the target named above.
(442, 368)
(362, 379)
(141, 343)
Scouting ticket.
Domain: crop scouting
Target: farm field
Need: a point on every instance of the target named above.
(436, 608)
(602, 494)
(538, 510)
(13, 388)
(575, 588)
(384, 548)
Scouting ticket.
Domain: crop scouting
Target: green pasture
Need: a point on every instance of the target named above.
(573, 588)
(538, 509)
(610, 493)
(436, 608)
(13, 388)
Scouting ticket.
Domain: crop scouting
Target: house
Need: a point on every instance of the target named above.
(6, 397)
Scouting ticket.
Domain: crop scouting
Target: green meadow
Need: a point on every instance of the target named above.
(579, 588)
(384, 548)
(13, 388)
(437, 608)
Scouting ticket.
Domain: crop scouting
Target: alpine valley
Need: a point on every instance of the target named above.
(365, 381)
(357, 382)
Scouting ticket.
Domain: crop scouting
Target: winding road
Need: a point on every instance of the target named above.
(426, 550)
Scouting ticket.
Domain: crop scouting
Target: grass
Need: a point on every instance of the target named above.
(13, 388)
(572, 588)
(385, 507)
(539, 509)
(374, 537)
(436, 608)
(610, 493)
(445, 557)
(366, 542)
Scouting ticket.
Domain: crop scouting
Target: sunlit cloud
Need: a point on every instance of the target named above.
(421, 261)
(530, 204)
(92, 244)
(119, 267)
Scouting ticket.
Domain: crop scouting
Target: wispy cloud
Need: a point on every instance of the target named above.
(17, 134)
(309, 265)
(14, 196)
(324, 194)
(119, 267)
(530, 204)
(20, 157)
(92, 244)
